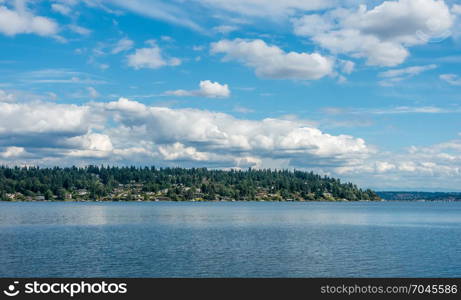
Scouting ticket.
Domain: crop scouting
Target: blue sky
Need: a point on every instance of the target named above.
(368, 91)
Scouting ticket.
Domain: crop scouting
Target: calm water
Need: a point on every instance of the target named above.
(230, 239)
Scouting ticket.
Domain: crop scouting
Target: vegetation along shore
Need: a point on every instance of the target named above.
(172, 184)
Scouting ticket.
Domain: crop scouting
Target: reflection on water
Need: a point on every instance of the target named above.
(230, 239)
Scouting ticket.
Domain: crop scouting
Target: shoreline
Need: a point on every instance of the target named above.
(220, 201)
(195, 201)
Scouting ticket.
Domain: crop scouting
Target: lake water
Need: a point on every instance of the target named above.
(233, 239)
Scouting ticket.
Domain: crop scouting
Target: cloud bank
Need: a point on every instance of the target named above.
(127, 130)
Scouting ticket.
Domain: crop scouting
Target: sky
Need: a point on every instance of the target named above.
(366, 91)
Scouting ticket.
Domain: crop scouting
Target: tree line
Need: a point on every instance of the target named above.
(178, 184)
(416, 196)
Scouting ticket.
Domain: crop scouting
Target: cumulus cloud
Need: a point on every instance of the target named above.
(151, 58)
(126, 105)
(208, 89)
(451, 79)
(178, 151)
(128, 130)
(381, 35)
(272, 62)
(90, 145)
(438, 166)
(20, 21)
(20, 118)
(219, 133)
(310, 25)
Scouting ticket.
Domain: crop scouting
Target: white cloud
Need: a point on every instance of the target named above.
(410, 71)
(221, 133)
(393, 110)
(347, 66)
(242, 109)
(382, 167)
(7, 97)
(432, 167)
(178, 151)
(126, 105)
(11, 96)
(52, 96)
(214, 89)
(35, 118)
(225, 29)
(61, 8)
(93, 141)
(310, 25)
(397, 75)
(151, 58)
(122, 45)
(12, 152)
(381, 34)
(268, 8)
(90, 145)
(409, 110)
(63, 76)
(198, 48)
(20, 21)
(162, 10)
(456, 9)
(68, 132)
(272, 62)
(103, 66)
(452, 79)
(208, 89)
(79, 29)
(184, 13)
(93, 93)
(167, 38)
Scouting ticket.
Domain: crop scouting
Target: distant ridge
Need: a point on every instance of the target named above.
(417, 196)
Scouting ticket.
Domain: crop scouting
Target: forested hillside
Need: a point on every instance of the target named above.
(177, 184)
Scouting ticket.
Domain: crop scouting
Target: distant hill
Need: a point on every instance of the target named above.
(415, 196)
(177, 184)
